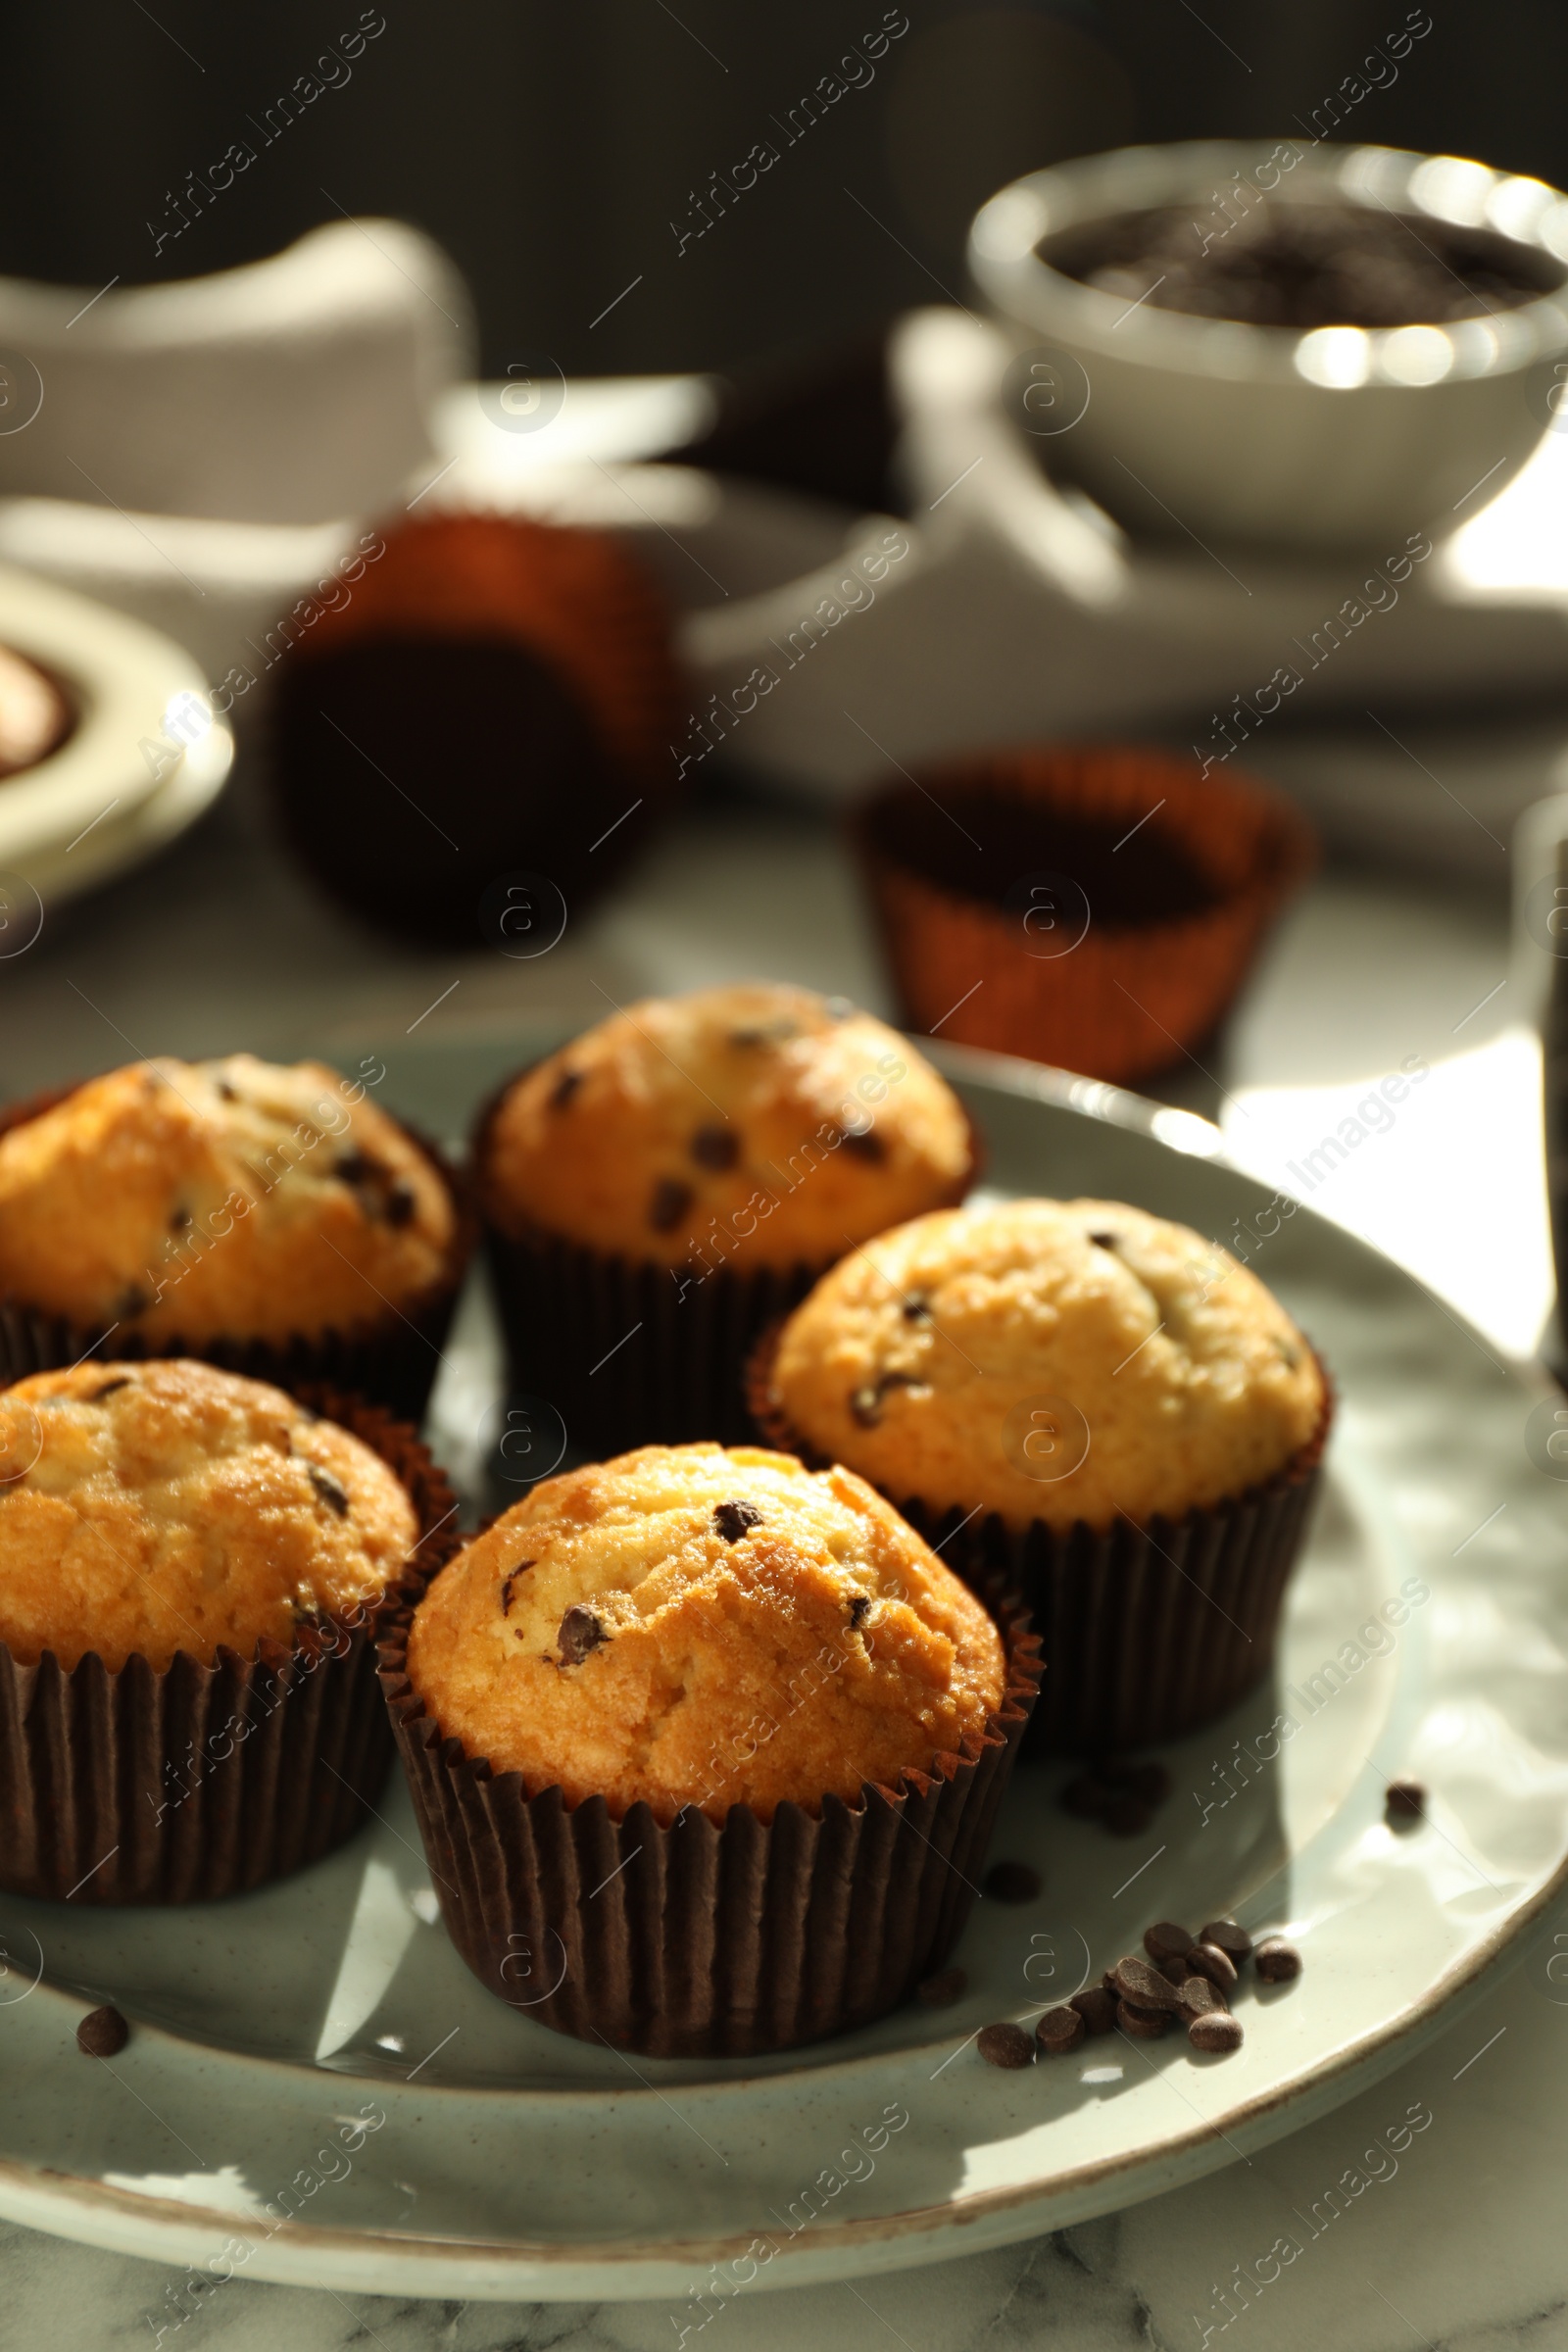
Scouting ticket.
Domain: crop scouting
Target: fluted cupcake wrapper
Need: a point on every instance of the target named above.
(1146, 1630)
(696, 1939)
(392, 1357)
(169, 1785)
(632, 1354)
(624, 1354)
(1127, 998)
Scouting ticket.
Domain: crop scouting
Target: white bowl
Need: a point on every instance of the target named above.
(1337, 437)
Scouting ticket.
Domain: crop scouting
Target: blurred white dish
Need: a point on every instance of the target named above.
(1337, 437)
(144, 759)
(290, 391)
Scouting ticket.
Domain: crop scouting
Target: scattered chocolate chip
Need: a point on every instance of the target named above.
(1011, 1882)
(669, 1203)
(178, 1219)
(716, 1146)
(102, 2032)
(1140, 1982)
(108, 1386)
(1276, 1961)
(564, 1088)
(227, 1092)
(1207, 1960)
(1215, 2033)
(1005, 2044)
(731, 1520)
(1175, 1970)
(1404, 1802)
(1227, 1937)
(132, 1300)
(865, 1143)
(1097, 2007)
(401, 1203)
(1166, 1941)
(1104, 1240)
(1145, 2024)
(1201, 1998)
(581, 1632)
(509, 1581)
(330, 1489)
(1061, 2031)
(356, 1167)
(1126, 1817)
(859, 1610)
(940, 1991)
(916, 1309)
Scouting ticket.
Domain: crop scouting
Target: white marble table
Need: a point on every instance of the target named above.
(1460, 2239)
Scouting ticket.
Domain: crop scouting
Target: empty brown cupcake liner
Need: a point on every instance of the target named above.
(392, 1358)
(201, 1780)
(1146, 1630)
(696, 1939)
(1126, 1000)
(632, 1354)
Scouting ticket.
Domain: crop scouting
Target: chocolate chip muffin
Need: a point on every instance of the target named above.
(273, 1218)
(193, 1569)
(917, 1360)
(688, 1167)
(173, 1506)
(1104, 1403)
(626, 1629)
(739, 1694)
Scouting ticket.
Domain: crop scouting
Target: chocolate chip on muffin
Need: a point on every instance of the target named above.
(733, 1519)
(331, 1489)
(668, 1203)
(581, 1632)
(716, 1146)
(508, 1581)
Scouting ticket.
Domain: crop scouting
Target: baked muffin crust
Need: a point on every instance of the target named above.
(756, 1124)
(699, 1626)
(174, 1506)
(198, 1200)
(933, 1362)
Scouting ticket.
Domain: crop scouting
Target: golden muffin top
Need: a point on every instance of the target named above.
(699, 1625)
(200, 1201)
(755, 1124)
(161, 1506)
(1049, 1359)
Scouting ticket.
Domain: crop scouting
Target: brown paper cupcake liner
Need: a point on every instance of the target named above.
(1134, 992)
(701, 1941)
(1146, 1631)
(631, 1353)
(141, 1785)
(392, 1358)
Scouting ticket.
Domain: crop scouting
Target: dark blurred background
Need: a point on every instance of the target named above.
(550, 148)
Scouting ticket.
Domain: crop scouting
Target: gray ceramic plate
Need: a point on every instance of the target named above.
(318, 2091)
